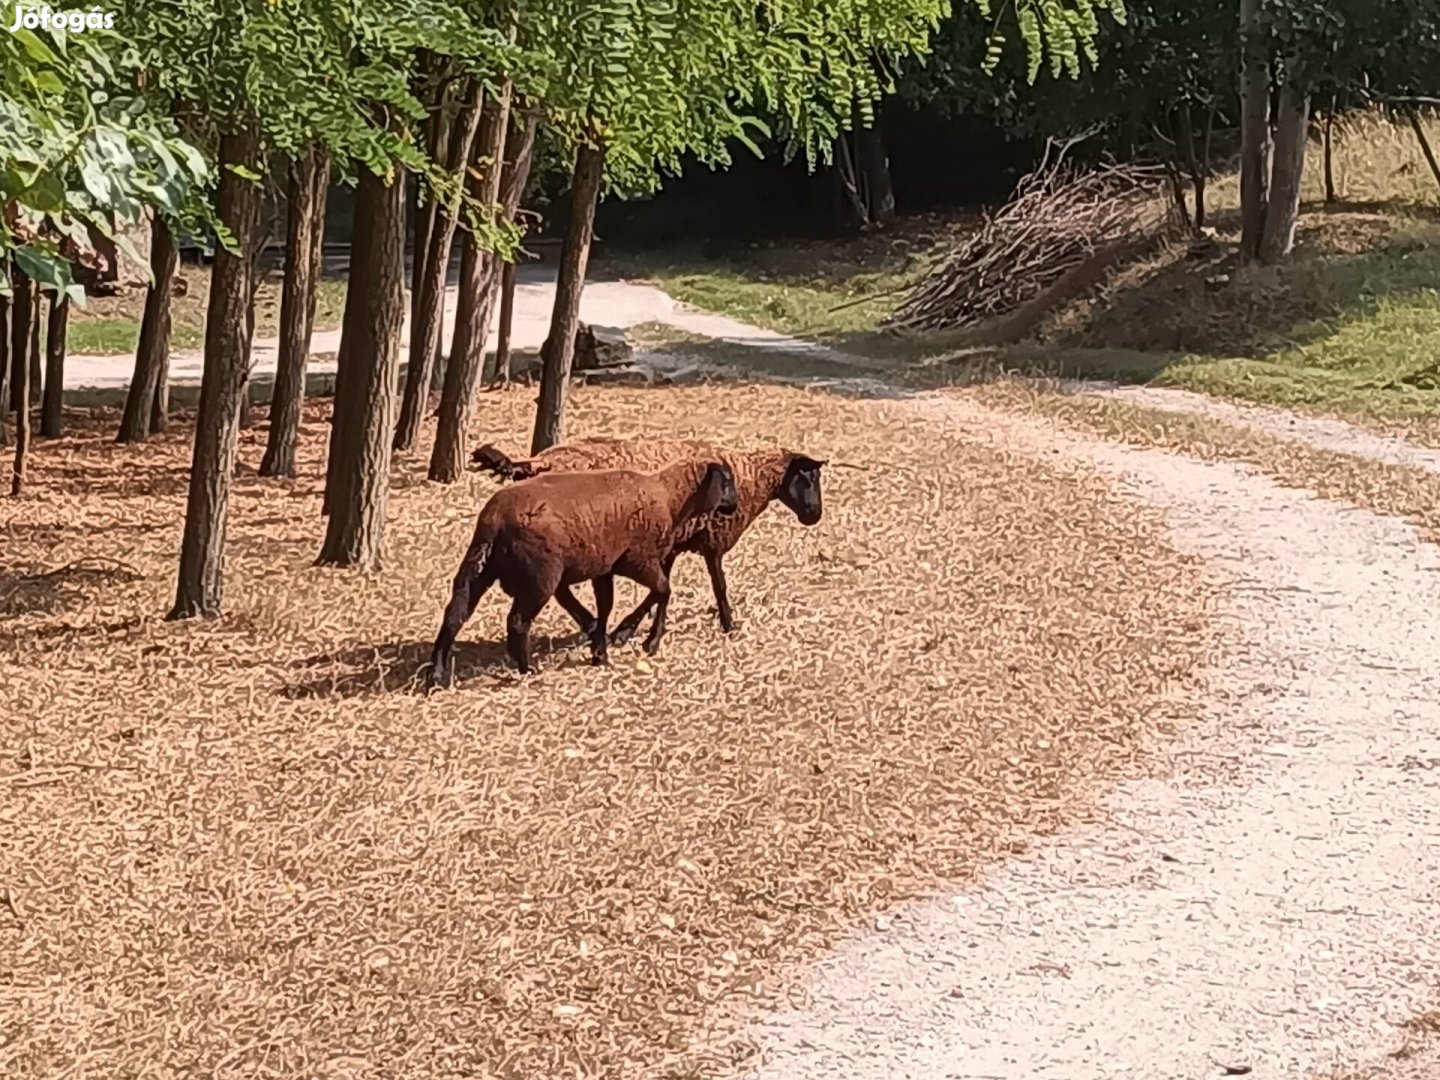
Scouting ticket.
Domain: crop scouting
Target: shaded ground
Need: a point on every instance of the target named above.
(249, 847)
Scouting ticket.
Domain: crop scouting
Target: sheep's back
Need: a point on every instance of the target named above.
(586, 524)
(640, 455)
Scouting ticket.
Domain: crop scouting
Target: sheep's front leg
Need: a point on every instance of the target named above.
(722, 599)
(628, 625)
(576, 610)
(604, 603)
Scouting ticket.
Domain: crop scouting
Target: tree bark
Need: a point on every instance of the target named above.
(1330, 197)
(479, 278)
(427, 321)
(160, 407)
(200, 587)
(1292, 124)
(370, 357)
(304, 254)
(1255, 146)
(873, 165)
(4, 362)
(508, 277)
(23, 316)
(152, 355)
(52, 422)
(558, 353)
(1424, 142)
(37, 371)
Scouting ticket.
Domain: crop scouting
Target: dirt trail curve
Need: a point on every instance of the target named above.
(1281, 919)
(1268, 900)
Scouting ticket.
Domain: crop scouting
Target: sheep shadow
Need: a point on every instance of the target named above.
(400, 666)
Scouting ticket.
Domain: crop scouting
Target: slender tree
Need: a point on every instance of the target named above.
(52, 421)
(152, 356)
(558, 352)
(25, 312)
(427, 319)
(506, 164)
(304, 261)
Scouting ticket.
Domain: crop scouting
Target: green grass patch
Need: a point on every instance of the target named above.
(112, 324)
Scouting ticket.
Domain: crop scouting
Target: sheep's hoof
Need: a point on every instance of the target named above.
(652, 646)
(599, 660)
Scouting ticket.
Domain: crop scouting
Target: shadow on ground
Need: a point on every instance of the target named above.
(400, 666)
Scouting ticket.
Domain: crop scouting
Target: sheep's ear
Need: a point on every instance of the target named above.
(804, 463)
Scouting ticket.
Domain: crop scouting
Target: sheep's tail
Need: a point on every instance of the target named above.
(496, 461)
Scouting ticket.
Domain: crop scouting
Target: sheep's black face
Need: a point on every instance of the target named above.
(717, 491)
(800, 490)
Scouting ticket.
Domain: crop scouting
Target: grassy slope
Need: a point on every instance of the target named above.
(1351, 325)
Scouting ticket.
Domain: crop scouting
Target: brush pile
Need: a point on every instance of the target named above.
(1060, 217)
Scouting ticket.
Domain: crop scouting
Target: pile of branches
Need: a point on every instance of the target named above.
(1059, 218)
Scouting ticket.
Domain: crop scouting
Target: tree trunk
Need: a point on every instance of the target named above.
(1254, 129)
(37, 370)
(152, 355)
(4, 360)
(23, 317)
(160, 407)
(304, 256)
(519, 153)
(1292, 124)
(1424, 142)
(52, 423)
(874, 167)
(507, 321)
(200, 588)
(1329, 159)
(479, 279)
(427, 321)
(559, 350)
(370, 358)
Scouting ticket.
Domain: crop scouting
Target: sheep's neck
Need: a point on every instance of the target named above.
(685, 496)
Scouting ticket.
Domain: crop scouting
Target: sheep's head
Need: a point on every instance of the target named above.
(717, 494)
(800, 488)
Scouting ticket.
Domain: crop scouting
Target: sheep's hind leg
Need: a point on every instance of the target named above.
(517, 630)
(628, 625)
(604, 603)
(576, 610)
(722, 598)
(466, 593)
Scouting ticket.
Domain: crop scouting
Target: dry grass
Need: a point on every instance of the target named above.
(250, 848)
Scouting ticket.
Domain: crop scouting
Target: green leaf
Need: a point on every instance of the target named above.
(45, 268)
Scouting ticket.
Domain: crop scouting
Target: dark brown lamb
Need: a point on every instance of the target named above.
(543, 535)
(761, 476)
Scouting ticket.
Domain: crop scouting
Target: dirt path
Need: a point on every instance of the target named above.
(1264, 901)
(620, 304)
(1317, 431)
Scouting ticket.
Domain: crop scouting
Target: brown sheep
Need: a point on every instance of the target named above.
(541, 536)
(761, 476)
